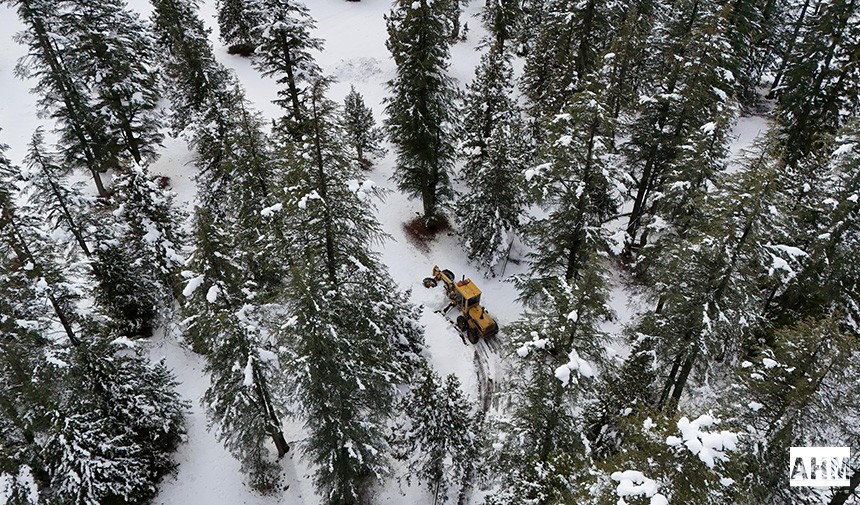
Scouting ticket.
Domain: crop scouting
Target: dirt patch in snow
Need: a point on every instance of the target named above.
(420, 236)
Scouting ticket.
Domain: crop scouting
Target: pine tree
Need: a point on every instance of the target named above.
(819, 88)
(113, 252)
(569, 39)
(109, 48)
(710, 287)
(796, 391)
(420, 111)
(502, 21)
(559, 353)
(686, 111)
(223, 323)
(498, 153)
(440, 437)
(191, 63)
(109, 419)
(577, 184)
(362, 133)
(343, 314)
(284, 52)
(236, 22)
(63, 95)
(626, 55)
(113, 434)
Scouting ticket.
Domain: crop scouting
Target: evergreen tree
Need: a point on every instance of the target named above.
(502, 20)
(131, 252)
(109, 420)
(569, 39)
(113, 435)
(191, 63)
(440, 437)
(498, 153)
(685, 113)
(559, 353)
(237, 20)
(420, 111)
(63, 94)
(625, 57)
(363, 136)
(343, 314)
(820, 83)
(798, 390)
(825, 228)
(577, 185)
(284, 35)
(711, 286)
(219, 305)
(110, 50)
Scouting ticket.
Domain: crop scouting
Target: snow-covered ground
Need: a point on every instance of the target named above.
(354, 54)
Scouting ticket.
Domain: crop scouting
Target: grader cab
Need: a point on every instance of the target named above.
(473, 320)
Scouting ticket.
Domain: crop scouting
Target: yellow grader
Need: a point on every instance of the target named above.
(474, 320)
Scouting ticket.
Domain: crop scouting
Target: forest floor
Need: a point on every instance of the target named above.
(355, 55)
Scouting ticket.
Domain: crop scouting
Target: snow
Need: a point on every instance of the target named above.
(268, 211)
(248, 373)
(212, 294)
(575, 364)
(768, 363)
(355, 54)
(710, 447)
(634, 483)
(192, 285)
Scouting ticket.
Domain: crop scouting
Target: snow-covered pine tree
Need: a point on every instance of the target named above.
(111, 51)
(220, 318)
(115, 426)
(284, 52)
(237, 20)
(754, 29)
(826, 229)
(569, 39)
(624, 58)
(577, 184)
(190, 63)
(439, 436)
(502, 20)
(498, 152)
(363, 136)
(820, 85)
(345, 413)
(559, 354)
(421, 110)
(63, 95)
(127, 288)
(795, 391)
(343, 314)
(237, 180)
(685, 112)
(529, 24)
(129, 426)
(710, 287)
(453, 9)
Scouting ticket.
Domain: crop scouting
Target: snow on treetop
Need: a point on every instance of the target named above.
(709, 446)
(576, 364)
(268, 211)
(634, 483)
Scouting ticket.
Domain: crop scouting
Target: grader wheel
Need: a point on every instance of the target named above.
(461, 323)
(450, 275)
(429, 282)
(472, 335)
